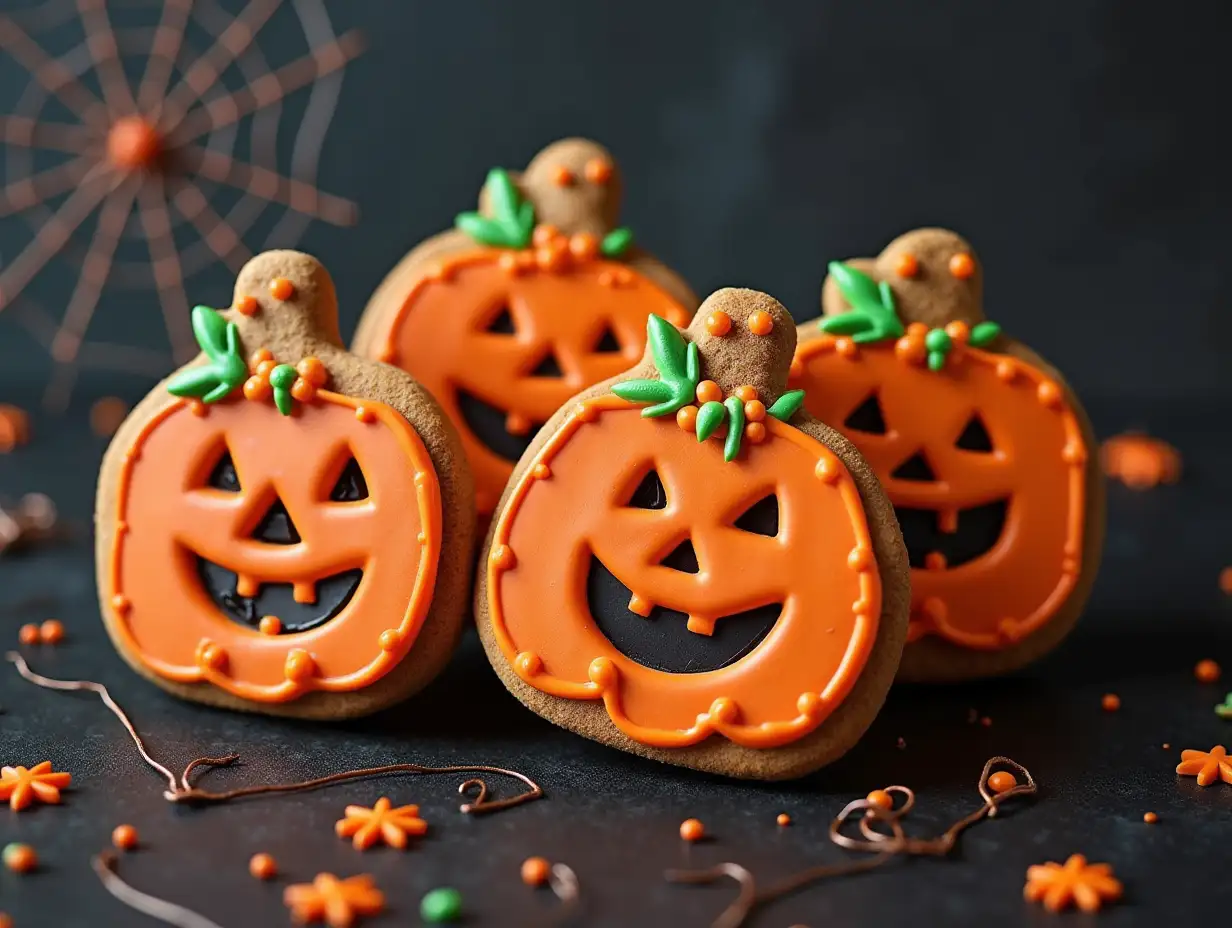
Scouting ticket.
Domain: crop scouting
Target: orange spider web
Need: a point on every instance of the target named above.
(146, 150)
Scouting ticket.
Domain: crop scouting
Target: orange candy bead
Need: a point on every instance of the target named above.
(755, 433)
(1002, 781)
(583, 246)
(1111, 702)
(258, 357)
(761, 322)
(958, 331)
(881, 799)
(754, 410)
(783, 820)
(263, 866)
(124, 837)
(746, 393)
(962, 265)
(692, 830)
(544, 235)
(908, 265)
(718, 323)
(686, 418)
(302, 390)
(247, 306)
(535, 871)
(29, 634)
(257, 388)
(313, 371)
(51, 631)
(1207, 671)
(281, 288)
(20, 858)
(562, 176)
(709, 392)
(269, 625)
(598, 170)
(1150, 818)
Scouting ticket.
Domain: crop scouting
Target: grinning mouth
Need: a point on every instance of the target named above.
(975, 532)
(661, 640)
(490, 425)
(277, 599)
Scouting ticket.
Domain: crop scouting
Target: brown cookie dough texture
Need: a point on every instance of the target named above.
(306, 325)
(739, 358)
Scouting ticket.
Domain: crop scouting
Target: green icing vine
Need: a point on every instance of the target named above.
(281, 379)
(513, 219)
(873, 317)
(226, 369)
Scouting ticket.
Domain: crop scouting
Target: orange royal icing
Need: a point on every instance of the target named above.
(561, 307)
(819, 566)
(1036, 465)
(167, 517)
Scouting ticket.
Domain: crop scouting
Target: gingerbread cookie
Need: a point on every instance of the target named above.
(984, 450)
(537, 296)
(284, 527)
(687, 566)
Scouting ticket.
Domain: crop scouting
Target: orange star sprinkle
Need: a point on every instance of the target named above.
(337, 902)
(1078, 882)
(21, 786)
(1207, 766)
(381, 822)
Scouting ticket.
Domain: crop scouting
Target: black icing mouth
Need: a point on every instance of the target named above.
(487, 423)
(277, 599)
(977, 531)
(662, 640)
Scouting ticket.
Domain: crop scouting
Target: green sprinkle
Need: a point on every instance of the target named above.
(441, 905)
(938, 340)
(1224, 710)
(983, 333)
(786, 405)
(616, 242)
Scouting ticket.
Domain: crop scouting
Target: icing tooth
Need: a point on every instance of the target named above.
(304, 592)
(246, 586)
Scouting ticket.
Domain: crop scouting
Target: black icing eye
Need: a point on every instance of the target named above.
(975, 436)
(223, 476)
(351, 485)
(650, 493)
(502, 323)
(762, 518)
(608, 343)
(867, 417)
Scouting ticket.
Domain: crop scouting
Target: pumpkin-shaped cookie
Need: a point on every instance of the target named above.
(687, 566)
(983, 448)
(282, 526)
(535, 297)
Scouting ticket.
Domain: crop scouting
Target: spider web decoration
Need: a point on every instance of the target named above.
(145, 150)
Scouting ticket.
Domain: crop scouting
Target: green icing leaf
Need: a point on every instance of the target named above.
(709, 418)
(643, 391)
(872, 317)
(616, 242)
(281, 379)
(226, 370)
(786, 405)
(983, 333)
(667, 346)
(679, 367)
(512, 221)
(735, 427)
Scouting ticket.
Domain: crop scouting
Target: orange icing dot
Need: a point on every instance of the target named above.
(907, 265)
(686, 418)
(29, 634)
(755, 432)
(51, 631)
(910, 349)
(535, 871)
(709, 392)
(281, 288)
(746, 393)
(312, 370)
(958, 331)
(551, 257)
(760, 322)
(598, 170)
(1150, 818)
(1002, 781)
(265, 368)
(247, 306)
(198, 408)
(509, 263)
(692, 829)
(783, 820)
(303, 391)
(258, 356)
(1207, 671)
(1111, 702)
(257, 388)
(263, 866)
(269, 625)
(846, 347)
(544, 234)
(562, 176)
(299, 665)
(124, 837)
(718, 323)
(754, 410)
(583, 246)
(962, 265)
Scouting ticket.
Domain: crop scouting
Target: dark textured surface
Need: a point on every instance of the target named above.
(1157, 610)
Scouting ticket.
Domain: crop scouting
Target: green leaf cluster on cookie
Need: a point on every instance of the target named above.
(226, 369)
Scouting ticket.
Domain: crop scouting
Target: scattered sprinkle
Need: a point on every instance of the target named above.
(881, 799)
(1002, 781)
(1088, 886)
(535, 871)
(1208, 766)
(382, 823)
(692, 829)
(21, 786)
(20, 858)
(51, 631)
(1139, 461)
(106, 415)
(1150, 818)
(783, 820)
(1111, 702)
(263, 866)
(337, 902)
(1207, 671)
(124, 837)
(441, 905)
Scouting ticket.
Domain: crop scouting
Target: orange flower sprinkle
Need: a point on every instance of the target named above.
(535, 871)
(257, 388)
(338, 903)
(51, 631)
(263, 866)
(1208, 766)
(718, 323)
(281, 288)
(1002, 781)
(1207, 671)
(754, 410)
(21, 786)
(124, 837)
(692, 829)
(760, 322)
(1077, 882)
(380, 823)
(20, 858)
(543, 235)
(312, 370)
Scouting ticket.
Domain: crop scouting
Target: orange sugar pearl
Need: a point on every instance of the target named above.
(881, 799)
(760, 322)
(562, 176)
(598, 170)
(686, 418)
(754, 410)
(907, 265)
(1002, 781)
(718, 323)
(257, 388)
(51, 631)
(583, 246)
(783, 820)
(755, 433)
(312, 370)
(958, 331)
(1207, 671)
(262, 866)
(692, 830)
(962, 265)
(746, 393)
(29, 634)
(1150, 818)
(535, 871)
(269, 625)
(1111, 702)
(302, 390)
(124, 837)
(261, 354)
(709, 392)
(20, 858)
(265, 368)
(247, 306)
(543, 235)
(281, 288)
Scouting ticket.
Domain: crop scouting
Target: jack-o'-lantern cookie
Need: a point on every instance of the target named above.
(686, 565)
(528, 301)
(282, 526)
(983, 448)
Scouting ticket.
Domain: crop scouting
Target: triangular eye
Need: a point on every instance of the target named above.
(502, 323)
(762, 518)
(607, 343)
(548, 367)
(351, 485)
(649, 494)
(867, 417)
(277, 528)
(682, 558)
(224, 476)
(914, 468)
(975, 436)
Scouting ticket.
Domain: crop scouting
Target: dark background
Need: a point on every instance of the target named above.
(1077, 144)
